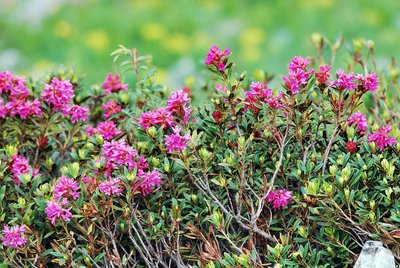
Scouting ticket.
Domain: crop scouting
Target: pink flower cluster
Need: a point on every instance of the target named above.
(56, 210)
(359, 120)
(66, 188)
(279, 198)
(111, 108)
(162, 117)
(175, 142)
(77, 113)
(147, 182)
(259, 92)
(58, 93)
(216, 57)
(107, 129)
(344, 81)
(8, 81)
(323, 75)
(113, 84)
(368, 82)
(178, 104)
(298, 77)
(14, 237)
(14, 89)
(119, 153)
(20, 165)
(381, 137)
(298, 74)
(111, 187)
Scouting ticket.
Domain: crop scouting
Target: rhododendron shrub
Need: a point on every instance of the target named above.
(136, 175)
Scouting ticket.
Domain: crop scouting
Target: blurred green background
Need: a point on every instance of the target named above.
(37, 35)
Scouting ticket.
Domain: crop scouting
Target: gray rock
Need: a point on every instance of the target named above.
(374, 255)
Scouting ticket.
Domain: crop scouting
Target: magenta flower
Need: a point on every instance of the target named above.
(179, 103)
(23, 108)
(111, 187)
(216, 57)
(258, 92)
(77, 113)
(19, 92)
(29, 108)
(298, 74)
(12, 108)
(162, 117)
(14, 237)
(175, 142)
(108, 130)
(147, 119)
(296, 80)
(275, 102)
(147, 182)
(20, 165)
(359, 120)
(55, 210)
(20, 107)
(17, 103)
(120, 153)
(344, 81)
(142, 163)
(279, 198)
(323, 74)
(369, 82)
(66, 188)
(113, 84)
(14, 85)
(177, 100)
(6, 81)
(90, 131)
(251, 102)
(298, 62)
(58, 93)
(381, 137)
(3, 110)
(110, 108)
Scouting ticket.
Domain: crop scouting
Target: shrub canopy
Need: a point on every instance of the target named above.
(129, 175)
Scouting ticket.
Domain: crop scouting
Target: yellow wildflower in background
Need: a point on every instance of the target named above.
(62, 29)
(153, 32)
(177, 43)
(97, 40)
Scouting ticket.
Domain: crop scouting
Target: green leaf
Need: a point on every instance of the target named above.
(2, 192)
